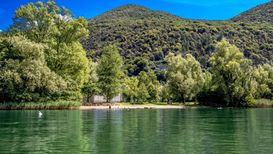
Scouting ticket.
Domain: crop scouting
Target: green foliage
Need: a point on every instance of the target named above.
(54, 26)
(261, 13)
(264, 103)
(131, 11)
(185, 77)
(165, 93)
(48, 23)
(36, 20)
(250, 101)
(231, 75)
(207, 93)
(131, 89)
(110, 72)
(71, 63)
(143, 88)
(145, 39)
(90, 88)
(149, 87)
(263, 76)
(40, 105)
(143, 94)
(24, 75)
(42, 58)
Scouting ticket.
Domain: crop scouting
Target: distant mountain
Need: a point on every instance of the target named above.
(146, 37)
(134, 12)
(261, 13)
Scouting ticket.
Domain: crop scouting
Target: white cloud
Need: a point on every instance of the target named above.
(1, 30)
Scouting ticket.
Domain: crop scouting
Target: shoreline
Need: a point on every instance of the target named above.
(74, 105)
(66, 105)
(100, 107)
(104, 107)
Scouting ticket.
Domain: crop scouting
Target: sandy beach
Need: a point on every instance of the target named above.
(133, 107)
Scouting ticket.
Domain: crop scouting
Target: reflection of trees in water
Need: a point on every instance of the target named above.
(202, 130)
(178, 131)
(56, 131)
(103, 131)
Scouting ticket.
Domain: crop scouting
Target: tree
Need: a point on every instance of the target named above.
(71, 63)
(263, 75)
(232, 75)
(148, 81)
(207, 95)
(143, 94)
(184, 77)
(56, 28)
(131, 89)
(24, 75)
(110, 72)
(90, 88)
(48, 23)
(143, 88)
(165, 94)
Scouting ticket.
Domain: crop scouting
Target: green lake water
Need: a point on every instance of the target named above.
(199, 130)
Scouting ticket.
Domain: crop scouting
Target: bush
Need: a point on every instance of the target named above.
(264, 103)
(24, 75)
(40, 105)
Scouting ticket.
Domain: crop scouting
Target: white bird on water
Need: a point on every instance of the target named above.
(40, 114)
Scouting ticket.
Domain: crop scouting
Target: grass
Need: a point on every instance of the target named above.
(264, 103)
(40, 105)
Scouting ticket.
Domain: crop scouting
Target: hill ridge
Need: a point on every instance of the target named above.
(260, 13)
(145, 37)
(134, 12)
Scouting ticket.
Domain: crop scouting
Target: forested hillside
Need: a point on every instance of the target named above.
(148, 56)
(146, 37)
(131, 11)
(261, 13)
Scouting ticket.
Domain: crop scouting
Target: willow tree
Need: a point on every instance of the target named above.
(24, 74)
(47, 22)
(56, 28)
(109, 71)
(184, 77)
(263, 75)
(232, 75)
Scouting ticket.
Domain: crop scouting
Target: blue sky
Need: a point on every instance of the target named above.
(191, 9)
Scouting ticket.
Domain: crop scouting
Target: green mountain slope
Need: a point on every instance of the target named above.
(135, 12)
(261, 13)
(146, 37)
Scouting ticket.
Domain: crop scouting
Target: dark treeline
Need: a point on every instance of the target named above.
(42, 59)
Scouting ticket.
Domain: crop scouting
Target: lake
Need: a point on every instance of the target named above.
(193, 130)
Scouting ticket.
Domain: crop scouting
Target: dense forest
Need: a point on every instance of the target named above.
(147, 36)
(149, 56)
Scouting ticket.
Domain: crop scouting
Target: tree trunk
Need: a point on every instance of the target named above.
(183, 98)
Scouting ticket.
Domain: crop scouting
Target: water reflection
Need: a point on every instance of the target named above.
(201, 130)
